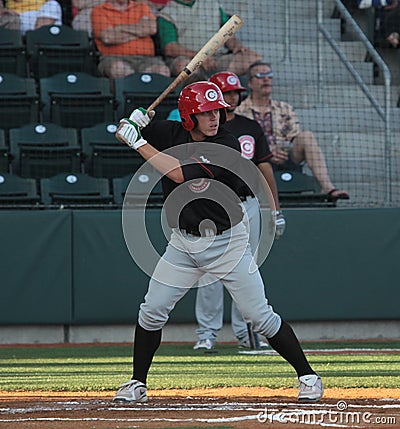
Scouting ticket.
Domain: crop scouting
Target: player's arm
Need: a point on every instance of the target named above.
(129, 133)
(268, 173)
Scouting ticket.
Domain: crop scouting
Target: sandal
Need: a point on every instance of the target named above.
(335, 194)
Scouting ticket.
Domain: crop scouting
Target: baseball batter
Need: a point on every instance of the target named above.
(201, 163)
(254, 146)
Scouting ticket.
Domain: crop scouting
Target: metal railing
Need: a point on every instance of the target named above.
(385, 111)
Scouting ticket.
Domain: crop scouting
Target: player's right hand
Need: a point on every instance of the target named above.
(129, 133)
(141, 117)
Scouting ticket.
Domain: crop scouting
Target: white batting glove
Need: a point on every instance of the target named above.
(141, 117)
(280, 223)
(129, 133)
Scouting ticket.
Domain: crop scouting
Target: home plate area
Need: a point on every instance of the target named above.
(96, 411)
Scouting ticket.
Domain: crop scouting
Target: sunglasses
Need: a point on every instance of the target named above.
(261, 75)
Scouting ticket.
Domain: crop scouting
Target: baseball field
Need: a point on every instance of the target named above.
(71, 387)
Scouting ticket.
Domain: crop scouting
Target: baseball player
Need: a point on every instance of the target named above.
(200, 163)
(254, 146)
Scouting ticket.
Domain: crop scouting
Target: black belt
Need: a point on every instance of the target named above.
(196, 232)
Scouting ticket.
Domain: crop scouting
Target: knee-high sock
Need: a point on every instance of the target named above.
(287, 345)
(145, 345)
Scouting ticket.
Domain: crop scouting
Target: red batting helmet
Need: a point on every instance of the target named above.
(200, 97)
(227, 81)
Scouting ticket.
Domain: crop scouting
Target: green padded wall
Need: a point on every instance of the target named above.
(35, 267)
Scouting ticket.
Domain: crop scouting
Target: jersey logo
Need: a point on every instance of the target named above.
(247, 146)
(199, 186)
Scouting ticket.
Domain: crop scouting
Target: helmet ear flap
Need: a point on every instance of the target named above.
(187, 122)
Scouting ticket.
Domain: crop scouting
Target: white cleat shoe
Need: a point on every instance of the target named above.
(131, 391)
(311, 388)
(203, 344)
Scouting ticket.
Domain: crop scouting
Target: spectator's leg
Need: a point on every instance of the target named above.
(12, 22)
(305, 148)
(114, 68)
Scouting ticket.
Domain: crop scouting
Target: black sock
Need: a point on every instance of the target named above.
(145, 345)
(287, 345)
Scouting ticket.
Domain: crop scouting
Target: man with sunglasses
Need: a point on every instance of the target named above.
(291, 147)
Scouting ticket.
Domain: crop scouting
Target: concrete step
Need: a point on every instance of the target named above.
(307, 96)
(332, 119)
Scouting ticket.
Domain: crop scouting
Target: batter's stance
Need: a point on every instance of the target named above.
(209, 234)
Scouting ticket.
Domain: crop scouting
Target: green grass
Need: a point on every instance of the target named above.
(102, 368)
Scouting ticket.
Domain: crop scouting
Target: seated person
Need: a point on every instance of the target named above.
(27, 15)
(83, 10)
(186, 25)
(290, 146)
(122, 31)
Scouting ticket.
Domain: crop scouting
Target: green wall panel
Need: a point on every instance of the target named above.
(336, 265)
(108, 285)
(35, 267)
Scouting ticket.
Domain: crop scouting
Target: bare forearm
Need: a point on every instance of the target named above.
(176, 50)
(125, 33)
(268, 173)
(167, 165)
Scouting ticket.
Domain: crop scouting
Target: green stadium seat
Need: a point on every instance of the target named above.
(75, 191)
(145, 189)
(53, 49)
(298, 189)
(12, 53)
(4, 154)
(15, 190)
(19, 101)
(104, 155)
(140, 90)
(44, 149)
(76, 100)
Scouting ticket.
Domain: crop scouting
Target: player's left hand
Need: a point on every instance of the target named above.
(141, 117)
(280, 223)
(129, 133)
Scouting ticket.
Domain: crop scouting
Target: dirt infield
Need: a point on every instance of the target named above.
(245, 408)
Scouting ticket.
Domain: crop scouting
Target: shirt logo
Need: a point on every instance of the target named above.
(199, 186)
(247, 146)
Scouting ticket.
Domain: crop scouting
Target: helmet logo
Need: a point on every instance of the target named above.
(211, 95)
(232, 80)
(247, 146)
(199, 186)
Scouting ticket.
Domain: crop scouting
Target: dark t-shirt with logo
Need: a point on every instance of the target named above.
(211, 169)
(253, 145)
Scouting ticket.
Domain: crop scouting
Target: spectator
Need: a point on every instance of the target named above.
(291, 147)
(155, 5)
(387, 19)
(186, 25)
(122, 30)
(81, 20)
(27, 15)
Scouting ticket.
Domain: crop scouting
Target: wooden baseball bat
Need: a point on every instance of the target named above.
(209, 49)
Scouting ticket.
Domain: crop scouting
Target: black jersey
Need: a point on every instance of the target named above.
(253, 143)
(210, 169)
(253, 146)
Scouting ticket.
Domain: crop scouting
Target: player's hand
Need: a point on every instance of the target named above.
(279, 221)
(129, 133)
(141, 117)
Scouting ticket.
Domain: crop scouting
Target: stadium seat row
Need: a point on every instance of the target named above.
(79, 100)
(75, 190)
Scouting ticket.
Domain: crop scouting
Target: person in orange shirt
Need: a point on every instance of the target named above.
(122, 30)
(27, 15)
